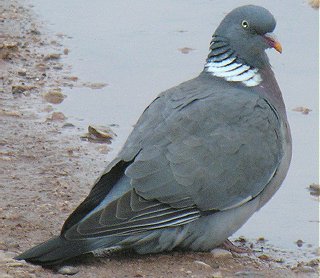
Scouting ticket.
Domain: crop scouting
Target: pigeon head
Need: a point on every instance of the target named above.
(237, 50)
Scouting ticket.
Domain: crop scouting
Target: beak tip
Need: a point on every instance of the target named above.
(277, 46)
(273, 42)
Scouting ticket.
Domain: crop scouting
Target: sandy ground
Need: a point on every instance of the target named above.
(46, 169)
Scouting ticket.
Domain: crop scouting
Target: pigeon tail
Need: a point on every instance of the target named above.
(56, 250)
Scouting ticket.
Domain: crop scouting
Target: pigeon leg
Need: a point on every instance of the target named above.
(228, 245)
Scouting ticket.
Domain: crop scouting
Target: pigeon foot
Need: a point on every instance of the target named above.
(228, 245)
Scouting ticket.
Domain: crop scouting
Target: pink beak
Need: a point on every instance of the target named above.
(273, 42)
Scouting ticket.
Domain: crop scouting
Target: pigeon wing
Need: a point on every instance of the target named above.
(191, 151)
(212, 148)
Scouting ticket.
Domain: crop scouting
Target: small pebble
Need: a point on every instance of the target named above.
(221, 253)
(57, 116)
(302, 110)
(299, 242)
(264, 257)
(185, 50)
(54, 97)
(68, 270)
(102, 132)
(314, 189)
(68, 125)
(71, 78)
(57, 66)
(22, 72)
(241, 239)
(52, 56)
(42, 67)
(279, 260)
(18, 89)
(202, 264)
(94, 86)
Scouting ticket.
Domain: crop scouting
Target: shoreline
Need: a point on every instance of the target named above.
(46, 169)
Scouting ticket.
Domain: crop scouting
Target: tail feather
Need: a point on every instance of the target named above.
(56, 250)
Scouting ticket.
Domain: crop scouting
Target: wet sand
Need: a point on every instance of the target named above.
(46, 169)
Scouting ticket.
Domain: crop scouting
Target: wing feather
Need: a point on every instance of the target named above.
(118, 218)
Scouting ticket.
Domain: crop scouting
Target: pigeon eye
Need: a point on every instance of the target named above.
(245, 24)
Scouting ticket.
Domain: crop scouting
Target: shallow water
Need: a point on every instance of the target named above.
(134, 48)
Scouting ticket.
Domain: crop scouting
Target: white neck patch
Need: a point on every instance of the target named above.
(231, 70)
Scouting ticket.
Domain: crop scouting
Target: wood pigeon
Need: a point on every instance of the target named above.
(202, 158)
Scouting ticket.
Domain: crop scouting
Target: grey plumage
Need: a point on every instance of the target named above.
(203, 157)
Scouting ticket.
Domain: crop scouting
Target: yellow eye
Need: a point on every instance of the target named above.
(245, 24)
